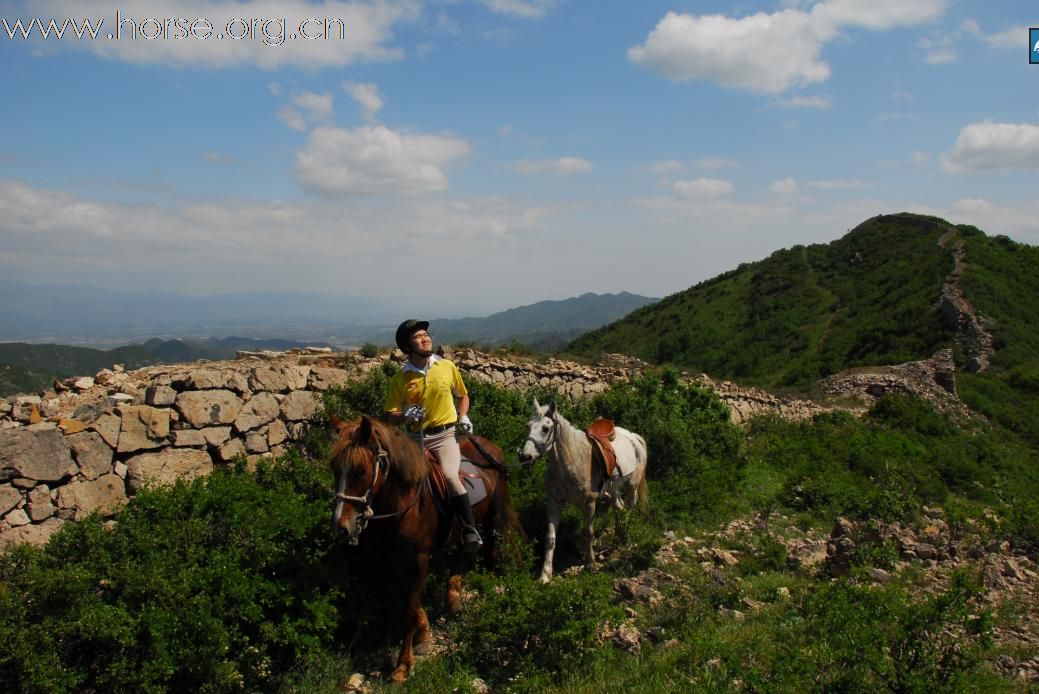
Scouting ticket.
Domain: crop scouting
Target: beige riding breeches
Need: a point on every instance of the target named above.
(444, 446)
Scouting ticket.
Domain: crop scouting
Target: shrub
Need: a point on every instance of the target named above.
(519, 625)
(216, 584)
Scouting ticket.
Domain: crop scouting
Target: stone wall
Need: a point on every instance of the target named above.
(92, 442)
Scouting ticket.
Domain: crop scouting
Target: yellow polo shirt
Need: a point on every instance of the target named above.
(435, 389)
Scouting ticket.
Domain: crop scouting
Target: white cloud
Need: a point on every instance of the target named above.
(919, 158)
(1012, 37)
(938, 51)
(820, 102)
(838, 184)
(274, 88)
(767, 53)
(216, 157)
(702, 188)
(357, 31)
(714, 163)
(972, 205)
(316, 107)
(879, 15)
(292, 118)
(563, 166)
(785, 186)
(343, 246)
(375, 160)
(990, 146)
(367, 96)
(941, 56)
(525, 9)
(667, 167)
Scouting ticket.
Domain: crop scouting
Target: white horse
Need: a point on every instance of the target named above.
(575, 476)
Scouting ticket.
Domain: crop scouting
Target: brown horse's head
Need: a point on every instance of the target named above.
(373, 465)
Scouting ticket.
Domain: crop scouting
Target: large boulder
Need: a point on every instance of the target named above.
(214, 379)
(299, 405)
(266, 378)
(167, 466)
(209, 407)
(34, 453)
(142, 427)
(92, 453)
(261, 409)
(9, 498)
(31, 534)
(323, 378)
(108, 425)
(105, 494)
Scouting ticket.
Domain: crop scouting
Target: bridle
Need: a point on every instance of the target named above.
(382, 464)
(542, 447)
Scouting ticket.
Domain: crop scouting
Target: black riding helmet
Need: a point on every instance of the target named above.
(406, 329)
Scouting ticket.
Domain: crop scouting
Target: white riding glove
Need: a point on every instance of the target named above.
(465, 424)
(415, 413)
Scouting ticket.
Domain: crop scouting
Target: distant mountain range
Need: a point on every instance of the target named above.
(543, 326)
(546, 325)
(75, 312)
(26, 368)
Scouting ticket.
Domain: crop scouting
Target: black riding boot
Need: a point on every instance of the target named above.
(464, 510)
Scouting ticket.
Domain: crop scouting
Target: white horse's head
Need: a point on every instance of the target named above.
(541, 432)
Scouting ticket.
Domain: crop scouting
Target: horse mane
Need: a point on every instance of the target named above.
(408, 464)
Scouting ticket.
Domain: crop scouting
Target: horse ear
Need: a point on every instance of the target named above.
(551, 409)
(337, 423)
(537, 406)
(364, 432)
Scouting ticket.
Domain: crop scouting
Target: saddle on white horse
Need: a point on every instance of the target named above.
(602, 433)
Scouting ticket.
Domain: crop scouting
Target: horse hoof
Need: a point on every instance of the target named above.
(422, 648)
(399, 675)
(454, 608)
(545, 578)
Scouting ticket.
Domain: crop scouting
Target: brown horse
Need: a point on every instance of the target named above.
(383, 478)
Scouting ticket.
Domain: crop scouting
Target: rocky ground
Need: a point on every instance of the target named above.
(929, 552)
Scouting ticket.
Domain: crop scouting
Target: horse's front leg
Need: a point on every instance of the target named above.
(454, 583)
(589, 539)
(553, 510)
(414, 617)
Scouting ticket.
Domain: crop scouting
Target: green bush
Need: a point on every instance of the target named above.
(217, 584)
(520, 625)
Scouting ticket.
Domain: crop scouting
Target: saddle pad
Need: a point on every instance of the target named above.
(470, 476)
(473, 481)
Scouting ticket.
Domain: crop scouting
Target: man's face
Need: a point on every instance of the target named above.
(421, 343)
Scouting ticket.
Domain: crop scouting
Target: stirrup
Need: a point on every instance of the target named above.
(471, 539)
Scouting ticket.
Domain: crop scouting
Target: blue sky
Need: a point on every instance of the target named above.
(466, 156)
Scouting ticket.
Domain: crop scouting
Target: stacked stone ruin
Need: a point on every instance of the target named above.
(92, 442)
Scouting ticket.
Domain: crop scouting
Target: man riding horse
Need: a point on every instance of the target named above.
(428, 396)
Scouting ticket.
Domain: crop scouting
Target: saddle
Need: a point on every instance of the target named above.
(601, 433)
(470, 476)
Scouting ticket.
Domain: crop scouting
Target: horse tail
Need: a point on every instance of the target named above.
(642, 451)
(643, 495)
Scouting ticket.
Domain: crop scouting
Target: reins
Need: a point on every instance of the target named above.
(382, 460)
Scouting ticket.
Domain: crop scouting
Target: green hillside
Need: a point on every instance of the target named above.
(1000, 280)
(802, 313)
(26, 368)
